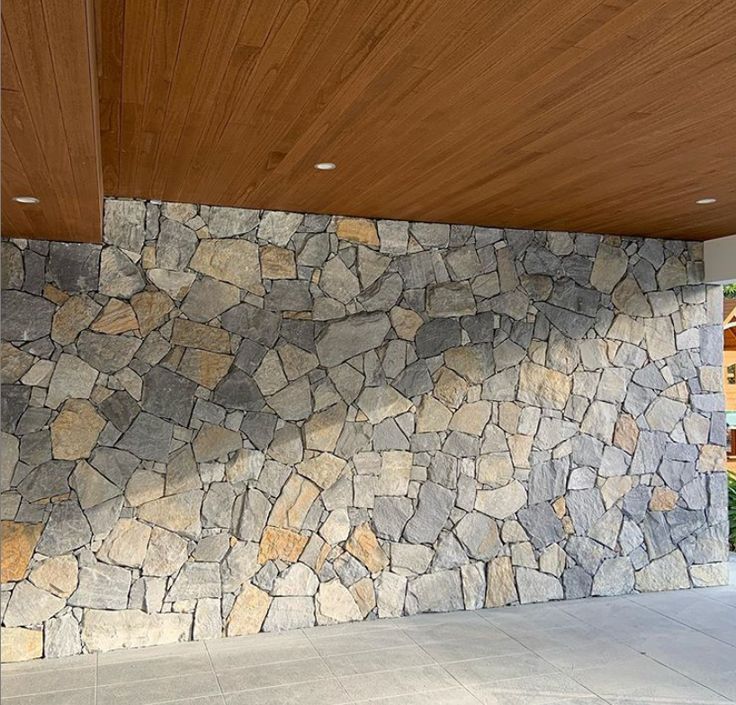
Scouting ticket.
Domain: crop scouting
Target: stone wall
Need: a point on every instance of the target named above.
(225, 421)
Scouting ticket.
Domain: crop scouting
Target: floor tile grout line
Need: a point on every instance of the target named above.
(462, 685)
(214, 673)
(329, 668)
(556, 668)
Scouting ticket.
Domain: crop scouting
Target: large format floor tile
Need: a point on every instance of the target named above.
(676, 648)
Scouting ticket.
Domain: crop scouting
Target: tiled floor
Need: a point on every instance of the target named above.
(673, 648)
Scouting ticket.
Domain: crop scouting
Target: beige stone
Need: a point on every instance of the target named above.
(560, 507)
(543, 387)
(323, 469)
(495, 469)
(296, 498)
(126, 544)
(144, 486)
(450, 388)
(296, 362)
(72, 318)
(406, 322)
(151, 309)
(470, 362)
(364, 545)
(500, 587)
(57, 575)
(432, 416)
(19, 644)
(55, 294)
(364, 595)
(17, 543)
(233, 261)
(471, 418)
(277, 263)
(663, 499)
(322, 430)
(203, 367)
(75, 430)
(280, 544)
(199, 335)
(248, 612)
(712, 458)
(15, 363)
(117, 317)
(104, 630)
(358, 230)
(626, 433)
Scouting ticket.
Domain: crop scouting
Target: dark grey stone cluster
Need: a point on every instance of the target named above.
(224, 421)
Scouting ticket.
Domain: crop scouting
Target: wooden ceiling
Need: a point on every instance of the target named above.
(50, 126)
(588, 115)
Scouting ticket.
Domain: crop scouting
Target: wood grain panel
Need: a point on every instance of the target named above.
(50, 123)
(589, 115)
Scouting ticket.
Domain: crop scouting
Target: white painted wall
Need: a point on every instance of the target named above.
(720, 260)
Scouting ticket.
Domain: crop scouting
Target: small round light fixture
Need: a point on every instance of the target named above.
(705, 201)
(325, 166)
(25, 199)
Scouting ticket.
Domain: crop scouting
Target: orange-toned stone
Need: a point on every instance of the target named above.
(626, 434)
(358, 230)
(75, 430)
(151, 308)
(248, 612)
(51, 293)
(205, 368)
(17, 544)
(277, 263)
(280, 544)
(116, 317)
(363, 544)
(20, 644)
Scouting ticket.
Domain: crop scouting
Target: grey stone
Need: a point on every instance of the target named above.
(450, 299)
(107, 353)
(119, 277)
(176, 245)
(278, 227)
(542, 524)
(168, 395)
(116, 465)
(195, 581)
(253, 323)
(13, 403)
(383, 294)
(25, 317)
(208, 298)
(431, 234)
(228, 222)
(436, 336)
(435, 592)
(479, 535)
(102, 587)
(252, 510)
(62, 637)
(537, 587)
(120, 409)
(238, 391)
(66, 529)
(49, 479)
(614, 577)
(149, 437)
(577, 583)
(289, 295)
(74, 267)
(30, 605)
(390, 515)
(668, 572)
(434, 504)
(585, 508)
(342, 340)
(293, 612)
(124, 223)
(11, 261)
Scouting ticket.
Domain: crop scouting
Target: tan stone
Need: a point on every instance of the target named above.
(234, 261)
(294, 502)
(364, 595)
(471, 418)
(470, 362)
(450, 388)
(663, 499)
(205, 368)
(75, 430)
(151, 308)
(560, 507)
(126, 544)
(277, 263)
(72, 318)
(712, 458)
(54, 294)
(248, 611)
(322, 430)
(19, 644)
(500, 587)
(614, 488)
(406, 322)
(17, 543)
(104, 630)
(57, 575)
(358, 230)
(626, 434)
(364, 545)
(280, 544)
(543, 387)
(323, 469)
(432, 416)
(199, 335)
(116, 317)
(14, 363)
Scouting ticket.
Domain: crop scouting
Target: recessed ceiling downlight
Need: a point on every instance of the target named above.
(25, 199)
(705, 201)
(325, 166)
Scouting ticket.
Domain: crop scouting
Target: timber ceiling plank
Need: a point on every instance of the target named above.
(50, 137)
(609, 116)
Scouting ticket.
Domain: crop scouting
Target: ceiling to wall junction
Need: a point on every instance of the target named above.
(610, 116)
